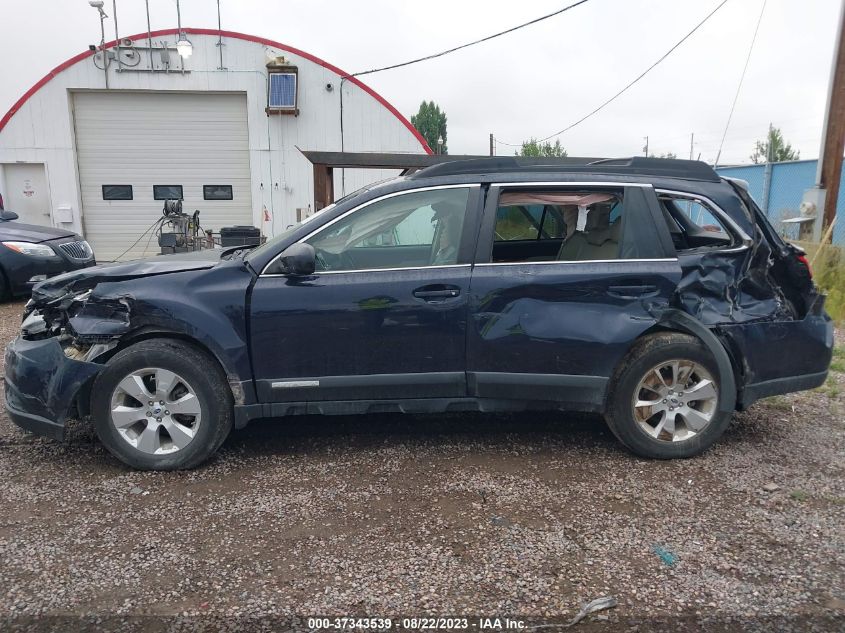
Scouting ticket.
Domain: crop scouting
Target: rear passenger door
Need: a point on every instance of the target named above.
(551, 322)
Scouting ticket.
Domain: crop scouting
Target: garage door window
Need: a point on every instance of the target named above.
(167, 192)
(117, 192)
(217, 192)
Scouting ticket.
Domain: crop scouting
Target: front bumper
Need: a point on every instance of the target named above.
(42, 385)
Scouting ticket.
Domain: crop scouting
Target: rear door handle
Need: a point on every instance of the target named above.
(632, 292)
(437, 292)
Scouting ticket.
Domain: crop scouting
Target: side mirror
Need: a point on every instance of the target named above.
(298, 259)
(8, 215)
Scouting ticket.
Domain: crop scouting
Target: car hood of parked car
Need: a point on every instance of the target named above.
(18, 231)
(86, 278)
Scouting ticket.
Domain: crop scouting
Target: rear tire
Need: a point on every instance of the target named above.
(133, 396)
(663, 399)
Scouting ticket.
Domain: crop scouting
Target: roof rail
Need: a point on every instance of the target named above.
(636, 165)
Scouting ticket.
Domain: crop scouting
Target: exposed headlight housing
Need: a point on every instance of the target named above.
(30, 248)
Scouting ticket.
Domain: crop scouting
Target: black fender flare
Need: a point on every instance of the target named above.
(677, 320)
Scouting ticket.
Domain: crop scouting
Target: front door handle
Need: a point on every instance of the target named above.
(633, 291)
(436, 292)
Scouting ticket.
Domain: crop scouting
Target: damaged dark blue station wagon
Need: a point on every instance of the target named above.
(652, 291)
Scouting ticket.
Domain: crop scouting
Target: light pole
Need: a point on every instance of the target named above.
(440, 144)
(98, 4)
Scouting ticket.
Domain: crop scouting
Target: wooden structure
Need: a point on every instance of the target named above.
(326, 162)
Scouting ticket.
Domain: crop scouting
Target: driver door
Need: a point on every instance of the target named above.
(384, 316)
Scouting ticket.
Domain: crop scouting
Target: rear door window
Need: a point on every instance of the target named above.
(576, 224)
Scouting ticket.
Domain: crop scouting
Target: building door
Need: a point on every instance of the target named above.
(27, 193)
(135, 149)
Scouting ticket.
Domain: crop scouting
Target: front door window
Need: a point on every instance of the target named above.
(410, 230)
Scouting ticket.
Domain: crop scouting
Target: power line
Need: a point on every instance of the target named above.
(462, 46)
(640, 76)
(739, 86)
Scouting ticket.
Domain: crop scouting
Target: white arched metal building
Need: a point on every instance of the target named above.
(97, 144)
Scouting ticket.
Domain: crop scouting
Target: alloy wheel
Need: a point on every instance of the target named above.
(155, 411)
(675, 400)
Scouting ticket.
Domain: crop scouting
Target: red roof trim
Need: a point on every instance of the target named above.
(233, 34)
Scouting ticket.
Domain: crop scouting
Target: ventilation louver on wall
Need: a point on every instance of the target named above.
(282, 89)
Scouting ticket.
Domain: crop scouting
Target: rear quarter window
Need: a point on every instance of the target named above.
(694, 224)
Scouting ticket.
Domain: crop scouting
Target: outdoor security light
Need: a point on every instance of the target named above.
(98, 4)
(184, 46)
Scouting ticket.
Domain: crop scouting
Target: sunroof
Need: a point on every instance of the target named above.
(282, 90)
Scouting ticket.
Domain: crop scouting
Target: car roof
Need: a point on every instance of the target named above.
(500, 168)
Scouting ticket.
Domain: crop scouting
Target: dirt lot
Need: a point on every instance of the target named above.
(518, 515)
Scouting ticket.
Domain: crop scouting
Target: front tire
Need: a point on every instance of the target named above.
(664, 398)
(161, 404)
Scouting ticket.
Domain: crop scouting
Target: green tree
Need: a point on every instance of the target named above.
(664, 155)
(430, 121)
(533, 147)
(774, 148)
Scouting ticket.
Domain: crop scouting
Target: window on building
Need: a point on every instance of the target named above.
(217, 192)
(117, 192)
(406, 231)
(167, 192)
(282, 92)
(693, 224)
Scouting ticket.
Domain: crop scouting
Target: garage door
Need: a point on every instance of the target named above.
(135, 147)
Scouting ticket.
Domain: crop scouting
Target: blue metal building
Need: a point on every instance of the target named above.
(782, 198)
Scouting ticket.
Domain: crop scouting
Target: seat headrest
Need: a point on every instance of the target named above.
(610, 234)
(598, 218)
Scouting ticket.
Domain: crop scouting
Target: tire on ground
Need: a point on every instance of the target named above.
(646, 354)
(198, 369)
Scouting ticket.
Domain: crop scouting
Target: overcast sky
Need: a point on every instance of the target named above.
(529, 83)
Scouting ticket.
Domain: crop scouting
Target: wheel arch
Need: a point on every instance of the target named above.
(678, 321)
(83, 399)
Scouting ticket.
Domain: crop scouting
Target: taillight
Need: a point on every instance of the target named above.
(803, 259)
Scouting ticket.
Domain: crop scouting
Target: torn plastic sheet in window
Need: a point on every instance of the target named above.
(575, 199)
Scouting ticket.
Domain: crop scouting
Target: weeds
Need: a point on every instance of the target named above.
(830, 387)
(829, 275)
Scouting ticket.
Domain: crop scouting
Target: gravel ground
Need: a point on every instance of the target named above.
(461, 515)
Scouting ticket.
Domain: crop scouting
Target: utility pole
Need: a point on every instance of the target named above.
(833, 143)
(691, 140)
(492, 149)
(645, 149)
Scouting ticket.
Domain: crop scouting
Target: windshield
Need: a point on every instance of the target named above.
(270, 244)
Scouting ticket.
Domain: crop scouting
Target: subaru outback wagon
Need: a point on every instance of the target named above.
(652, 291)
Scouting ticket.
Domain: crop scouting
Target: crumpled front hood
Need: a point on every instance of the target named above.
(85, 278)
